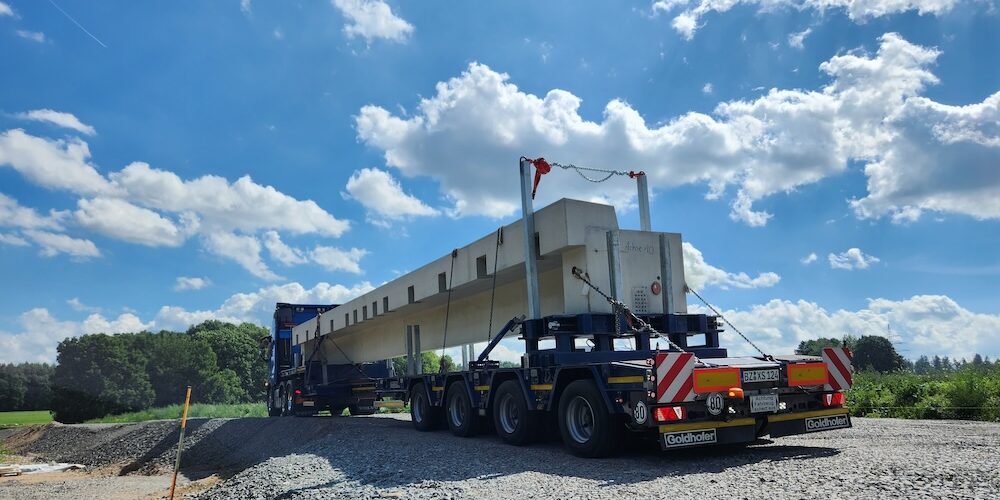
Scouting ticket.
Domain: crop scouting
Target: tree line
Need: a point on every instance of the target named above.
(100, 374)
(887, 385)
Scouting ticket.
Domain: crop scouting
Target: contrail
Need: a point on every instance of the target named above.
(78, 25)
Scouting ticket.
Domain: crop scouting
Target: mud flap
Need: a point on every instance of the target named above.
(791, 424)
(707, 433)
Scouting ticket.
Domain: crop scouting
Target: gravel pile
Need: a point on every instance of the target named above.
(383, 457)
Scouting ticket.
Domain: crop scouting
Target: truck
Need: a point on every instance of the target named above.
(609, 347)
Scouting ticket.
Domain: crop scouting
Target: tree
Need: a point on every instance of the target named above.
(876, 353)
(97, 375)
(13, 387)
(430, 362)
(236, 348)
(177, 360)
(815, 347)
(922, 366)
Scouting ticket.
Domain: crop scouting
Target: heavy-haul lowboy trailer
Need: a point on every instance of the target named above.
(609, 347)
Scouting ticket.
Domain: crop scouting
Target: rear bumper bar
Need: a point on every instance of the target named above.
(746, 430)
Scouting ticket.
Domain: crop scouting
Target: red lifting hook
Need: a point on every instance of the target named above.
(542, 167)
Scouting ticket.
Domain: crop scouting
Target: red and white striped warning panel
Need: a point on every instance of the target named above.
(674, 377)
(838, 365)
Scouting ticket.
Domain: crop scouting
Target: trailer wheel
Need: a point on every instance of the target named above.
(514, 422)
(461, 416)
(425, 417)
(587, 428)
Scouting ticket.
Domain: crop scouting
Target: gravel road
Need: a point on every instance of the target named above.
(382, 456)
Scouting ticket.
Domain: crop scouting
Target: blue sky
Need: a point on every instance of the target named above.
(166, 162)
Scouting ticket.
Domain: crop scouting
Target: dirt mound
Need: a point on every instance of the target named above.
(211, 447)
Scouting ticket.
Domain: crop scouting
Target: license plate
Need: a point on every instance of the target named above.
(753, 376)
(764, 403)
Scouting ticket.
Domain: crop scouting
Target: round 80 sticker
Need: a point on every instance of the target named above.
(715, 403)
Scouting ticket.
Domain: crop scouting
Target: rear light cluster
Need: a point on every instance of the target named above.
(835, 399)
(670, 413)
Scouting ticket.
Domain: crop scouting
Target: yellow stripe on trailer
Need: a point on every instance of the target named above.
(806, 414)
(636, 379)
(437, 388)
(389, 404)
(482, 388)
(363, 389)
(739, 422)
(541, 387)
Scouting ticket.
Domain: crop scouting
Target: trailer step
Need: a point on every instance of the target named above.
(392, 403)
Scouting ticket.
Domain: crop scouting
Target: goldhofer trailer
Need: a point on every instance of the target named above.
(690, 396)
(628, 358)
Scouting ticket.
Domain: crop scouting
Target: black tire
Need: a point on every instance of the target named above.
(586, 426)
(273, 410)
(424, 416)
(462, 418)
(289, 407)
(283, 400)
(356, 410)
(515, 423)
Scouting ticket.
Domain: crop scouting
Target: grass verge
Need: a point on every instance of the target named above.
(18, 418)
(196, 410)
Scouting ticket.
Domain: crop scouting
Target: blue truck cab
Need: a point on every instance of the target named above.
(300, 387)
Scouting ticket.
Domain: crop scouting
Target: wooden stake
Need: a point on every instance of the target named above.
(180, 443)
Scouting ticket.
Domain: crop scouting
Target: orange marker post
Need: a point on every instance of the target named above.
(180, 443)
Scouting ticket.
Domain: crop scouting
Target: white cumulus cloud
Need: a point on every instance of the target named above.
(124, 221)
(79, 306)
(5, 10)
(469, 134)
(34, 36)
(850, 259)
(383, 196)
(242, 249)
(52, 164)
(336, 259)
(698, 274)
(150, 206)
(371, 19)
(190, 283)
(281, 252)
(258, 306)
(12, 214)
(58, 118)
(797, 40)
(53, 244)
(688, 20)
(13, 240)
(922, 324)
(809, 259)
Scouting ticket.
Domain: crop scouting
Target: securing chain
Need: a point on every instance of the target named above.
(581, 170)
(719, 314)
(543, 166)
(620, 309)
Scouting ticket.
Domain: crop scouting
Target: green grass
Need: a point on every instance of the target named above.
(17, 418)
(196, 410)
